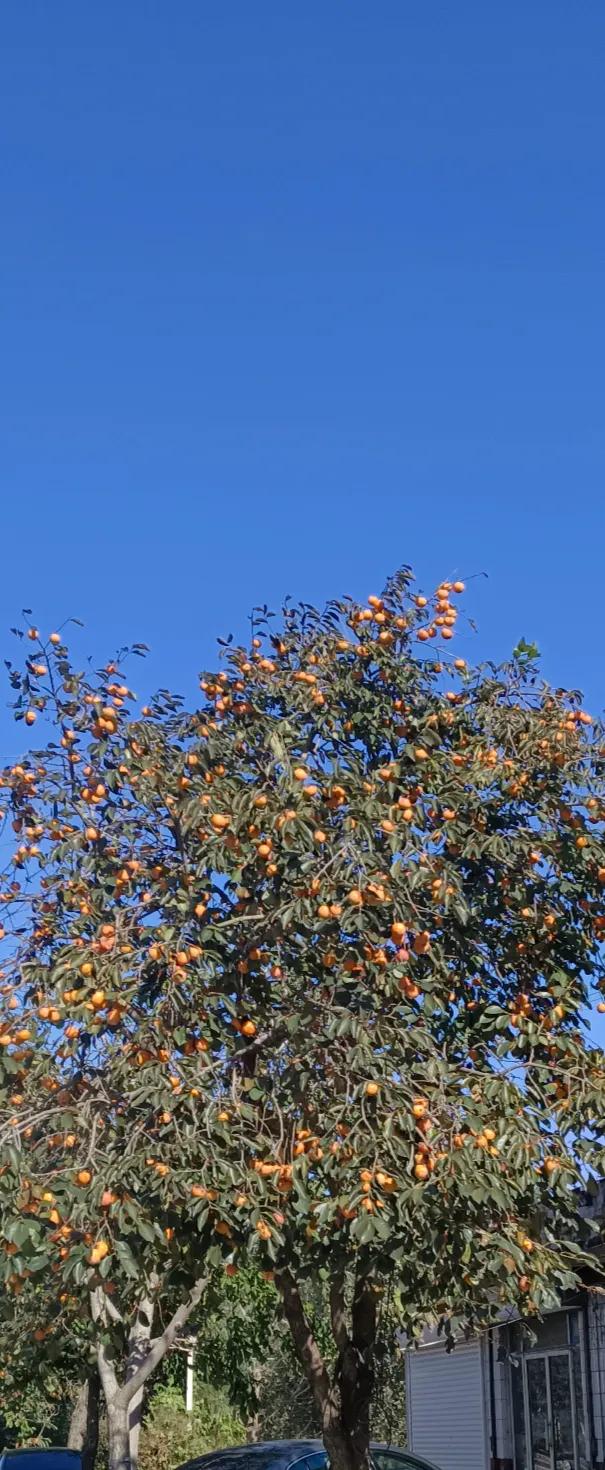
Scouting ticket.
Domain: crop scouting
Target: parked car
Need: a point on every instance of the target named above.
(297, 1454)
(51, 1459)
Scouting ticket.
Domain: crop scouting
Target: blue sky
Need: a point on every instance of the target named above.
(294, 293)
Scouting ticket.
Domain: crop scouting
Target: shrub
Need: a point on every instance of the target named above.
(170, 1435)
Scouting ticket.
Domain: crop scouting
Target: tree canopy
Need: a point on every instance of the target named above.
(303, 975)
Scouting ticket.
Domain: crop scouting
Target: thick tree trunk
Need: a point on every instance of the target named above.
(84, 1422)
(345, 1452)
(356, 1371)
(344, 1401)
(117, 1431)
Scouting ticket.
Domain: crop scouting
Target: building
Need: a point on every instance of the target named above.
(502, 1402)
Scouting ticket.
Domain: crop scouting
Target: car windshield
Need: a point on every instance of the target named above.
(381, 1460)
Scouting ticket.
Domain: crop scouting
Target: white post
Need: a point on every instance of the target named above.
(189, 1380)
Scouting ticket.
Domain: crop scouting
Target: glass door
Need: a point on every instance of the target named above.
(550, 1428)
(538, 1414)
(562, 1412)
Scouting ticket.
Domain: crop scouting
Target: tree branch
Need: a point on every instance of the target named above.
(107, 1371)
(107, 1374)
(140, 1334)
(338, 1311)
(113, 1312)
(304, 1342)
(161, 1345)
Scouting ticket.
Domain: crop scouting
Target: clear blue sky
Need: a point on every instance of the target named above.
(292, 293)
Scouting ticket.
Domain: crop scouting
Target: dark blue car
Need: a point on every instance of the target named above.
(297, 1454)
(41, 1460)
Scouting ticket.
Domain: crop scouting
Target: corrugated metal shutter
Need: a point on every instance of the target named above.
(446, 1406)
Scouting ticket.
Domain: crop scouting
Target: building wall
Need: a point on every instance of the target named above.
(449, 1389)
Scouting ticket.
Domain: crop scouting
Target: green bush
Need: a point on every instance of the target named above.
(170, 1435)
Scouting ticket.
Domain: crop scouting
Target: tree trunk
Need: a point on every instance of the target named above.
(124, 1403)
(138, 1351)
(84, 1422)
(135, 1414)
(118, 1435)
(344, 1400)
(356, 1372)
(345, 1452)
(253, 1428)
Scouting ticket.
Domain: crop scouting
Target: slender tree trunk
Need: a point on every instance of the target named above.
(84, 1422)
(138, 1351)
(135, 1414)
(117, 1429)
(124, 1401)
(253, 1429)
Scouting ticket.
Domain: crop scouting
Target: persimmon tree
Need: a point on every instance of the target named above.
(49, 1386)
(104, 1186)
(313, 964)
(119, 1283)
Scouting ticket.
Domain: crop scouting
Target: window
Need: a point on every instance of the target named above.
(317, 1461)
(389, 1460)
(551, 1332)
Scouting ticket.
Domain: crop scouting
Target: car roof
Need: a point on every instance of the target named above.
(54, 1457)
(277, 1452)
(280, 1453)
(32, 1451)
(262, 1447)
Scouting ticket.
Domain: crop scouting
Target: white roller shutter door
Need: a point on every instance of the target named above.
(446, 1406)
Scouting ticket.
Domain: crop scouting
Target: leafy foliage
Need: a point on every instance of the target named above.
(34, 1412)
(170, 1436)
(243, 1347)
(236, 1336)
(304, 975)
(36, 1386)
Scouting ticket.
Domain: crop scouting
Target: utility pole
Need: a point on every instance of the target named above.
(189, 1375)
